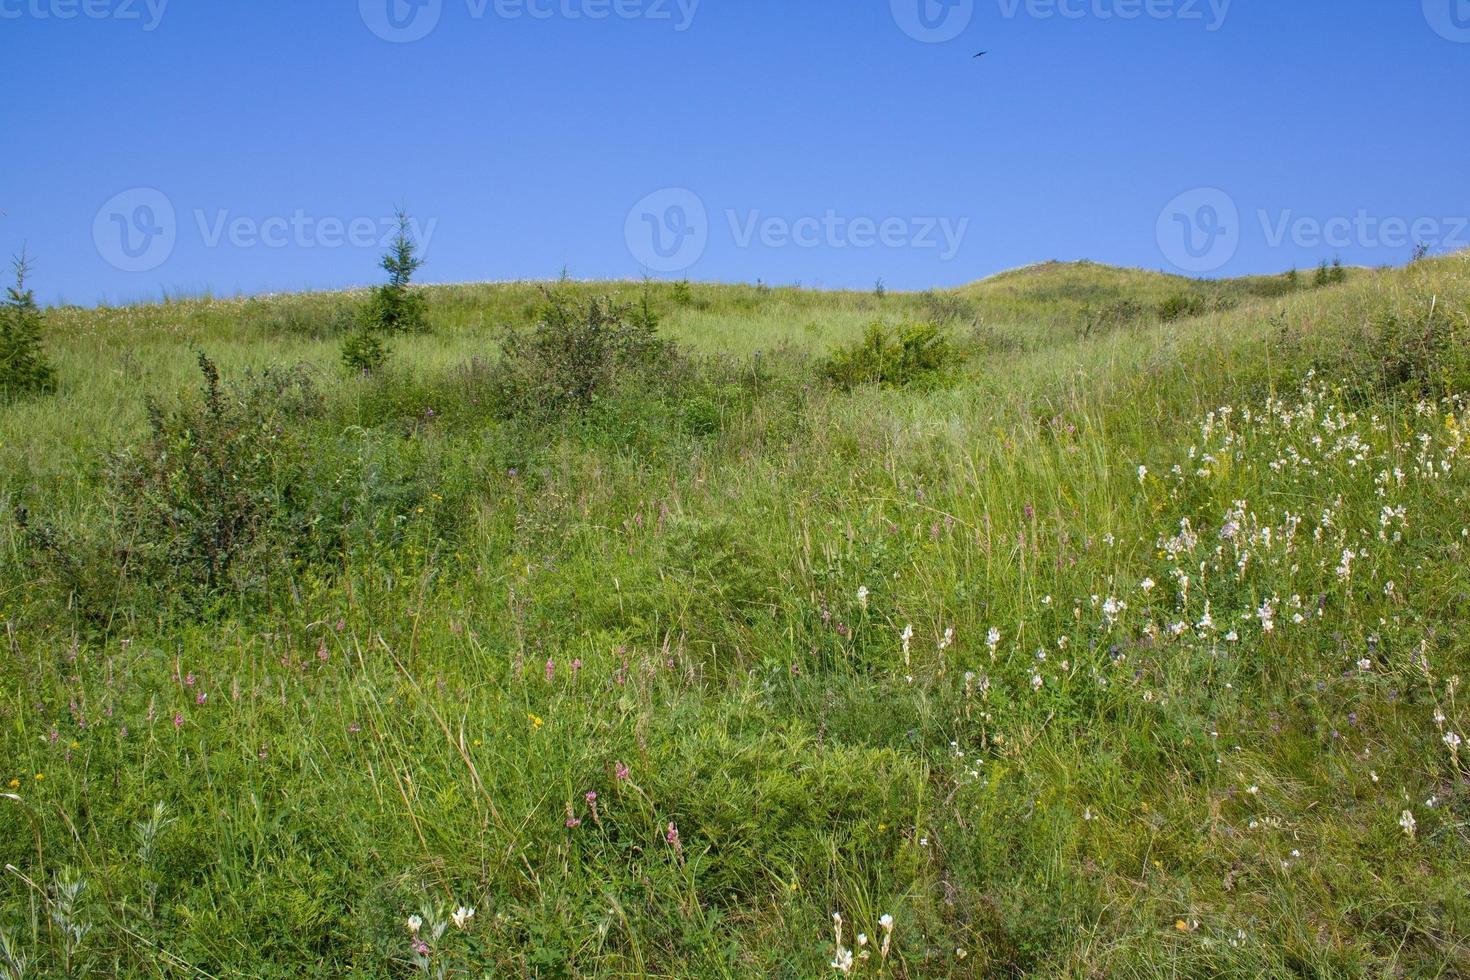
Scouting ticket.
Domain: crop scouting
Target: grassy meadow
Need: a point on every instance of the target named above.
(1124, 640)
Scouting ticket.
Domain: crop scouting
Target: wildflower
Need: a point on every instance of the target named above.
(15, 784)
(420, 947)
(622, 772)
(672, 837)
(1142, 475)
(886, 922)
(536, 721)
(550, 669)
(1407, 821)
(178, 720)
(992, 640)
(592, 797)
(461, 917)
(414, 923)
(906, 636)
(862, 596)
(947, 639)
(1147, 585)
(1452, 740)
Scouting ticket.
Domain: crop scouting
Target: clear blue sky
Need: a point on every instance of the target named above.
(826, 142)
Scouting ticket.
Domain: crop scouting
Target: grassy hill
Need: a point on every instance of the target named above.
(1127, 641)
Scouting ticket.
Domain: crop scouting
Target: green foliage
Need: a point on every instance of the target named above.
(364, 351)
(580, 352)
(24, 369)
(914, 353)
(658, 678)
(1181, 305)
(394, 307)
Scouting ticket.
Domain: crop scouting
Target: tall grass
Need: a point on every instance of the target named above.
(1063, 664)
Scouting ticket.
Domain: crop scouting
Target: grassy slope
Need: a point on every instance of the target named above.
(411, 732)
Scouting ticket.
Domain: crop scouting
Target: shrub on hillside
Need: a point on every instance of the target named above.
(578, 353)
(908, 355)
(213, 499)
(23, 366)
(1180, 306)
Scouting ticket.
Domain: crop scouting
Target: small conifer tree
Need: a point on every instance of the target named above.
(23, 366)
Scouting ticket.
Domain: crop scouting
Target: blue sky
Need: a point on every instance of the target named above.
(183, 146)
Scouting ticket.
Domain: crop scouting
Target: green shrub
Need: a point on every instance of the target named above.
(23, 367)
(364, 352)
(910, 354)
(579, 353)
(1179, 306)
(214, 499)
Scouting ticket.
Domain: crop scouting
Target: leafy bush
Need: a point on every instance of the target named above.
(364, 352)
(23, 367)
(214, 498)
(908, 355)
(578, 353)
(1179, 306)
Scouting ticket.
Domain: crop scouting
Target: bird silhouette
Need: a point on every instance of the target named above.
(980, 55)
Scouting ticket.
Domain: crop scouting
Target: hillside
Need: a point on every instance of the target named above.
(1124, 640)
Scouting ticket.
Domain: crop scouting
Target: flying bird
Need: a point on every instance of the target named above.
(980, 55)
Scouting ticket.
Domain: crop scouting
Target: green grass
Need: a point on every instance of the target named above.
(694, 600)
